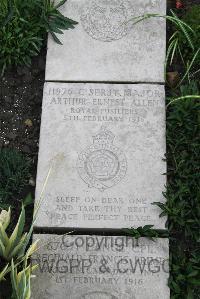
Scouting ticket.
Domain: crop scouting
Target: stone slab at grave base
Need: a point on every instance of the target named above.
(103, 146)
(100, 267)
(106, 46)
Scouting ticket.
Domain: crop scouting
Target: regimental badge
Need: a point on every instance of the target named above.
(102, 165)
(106, 20)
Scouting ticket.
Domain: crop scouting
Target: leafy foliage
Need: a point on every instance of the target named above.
(183, 156)
(184, 44)
(184, 279)
(192, 18)
(182, 205)
(23, 25)
(15, 252)
(185, 39)
(181, 26)
(3, 272)
(13, 247)
(54, 21)
(183, 191)
(146, 231)
(14, 172)
(21, 281)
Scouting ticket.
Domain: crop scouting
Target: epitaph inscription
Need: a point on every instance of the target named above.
(100, 267)
(103, 145)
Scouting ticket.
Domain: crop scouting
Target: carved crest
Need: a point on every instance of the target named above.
(106, 20)
(102, 164)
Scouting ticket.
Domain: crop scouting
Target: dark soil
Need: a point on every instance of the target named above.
(20, 111)
(21, 92)
(21, 98)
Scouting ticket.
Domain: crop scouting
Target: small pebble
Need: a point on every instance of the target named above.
(28, 122)
(32, 182)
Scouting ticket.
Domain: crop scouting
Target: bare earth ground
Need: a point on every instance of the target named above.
(20, 110)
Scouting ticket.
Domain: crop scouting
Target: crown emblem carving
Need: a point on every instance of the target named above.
(103, 137)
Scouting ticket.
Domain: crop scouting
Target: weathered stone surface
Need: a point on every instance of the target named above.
(106, 46)
(103, 146)
(100, 267)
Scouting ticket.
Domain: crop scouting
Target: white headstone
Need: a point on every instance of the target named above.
(103, 146)
(100, 267)
(106, 46)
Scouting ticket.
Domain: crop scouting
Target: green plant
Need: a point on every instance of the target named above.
(188, 91)
(4, 272)
(184, 279)
(23, 27)
(53, 21)
(14, 174)
(21, 281)
(192, 18)
(146, 231)
(184, 34)
(183, 192)
(14, 246)
(184, 45)
(182, 205)
(182, 26)
(15, 252)
(183, 31)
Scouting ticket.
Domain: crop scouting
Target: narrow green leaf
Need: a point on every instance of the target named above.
(62, 2)
(28, 200)
(17, 233)
(55, 38)
(13, 276)
(3, 236)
